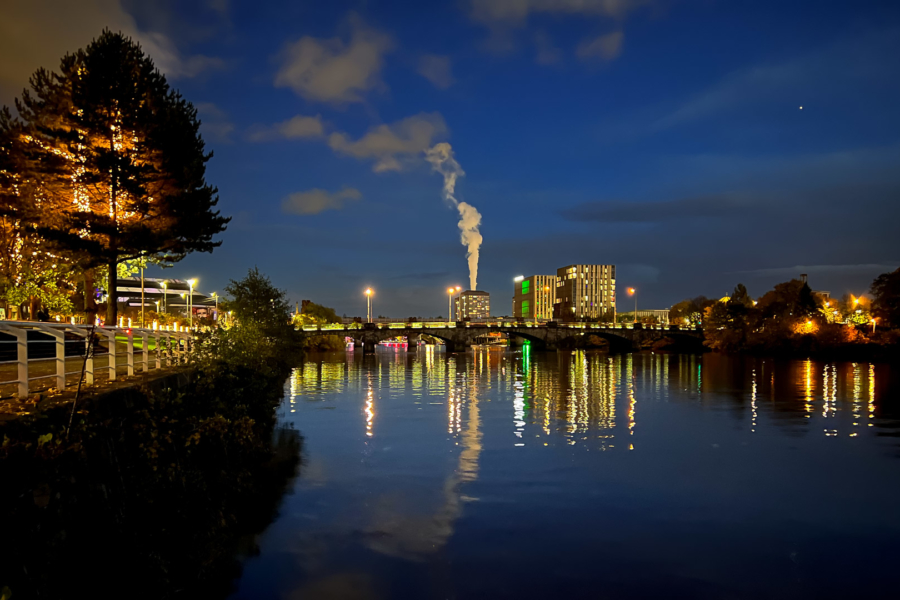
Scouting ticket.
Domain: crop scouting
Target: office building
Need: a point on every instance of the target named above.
(473, 304)
(534, 297)
(585, 292)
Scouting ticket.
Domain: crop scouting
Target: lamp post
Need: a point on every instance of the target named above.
(458, 290)
(165, 287)
(633, 292)
(873, 325)
(191, 283)
(450, 291)
(369, 304)
(215, 297)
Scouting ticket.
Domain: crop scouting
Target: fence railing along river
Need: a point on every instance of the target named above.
(59, 353)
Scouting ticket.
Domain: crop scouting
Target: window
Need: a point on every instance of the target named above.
(526, 286)
(525, 308)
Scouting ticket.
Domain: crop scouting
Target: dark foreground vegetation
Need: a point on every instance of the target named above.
(156, 498)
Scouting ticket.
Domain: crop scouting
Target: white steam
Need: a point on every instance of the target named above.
(442, 161)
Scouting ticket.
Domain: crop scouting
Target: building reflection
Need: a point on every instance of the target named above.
(591, 398)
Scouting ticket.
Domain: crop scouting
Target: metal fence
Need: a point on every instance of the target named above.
(27, 345)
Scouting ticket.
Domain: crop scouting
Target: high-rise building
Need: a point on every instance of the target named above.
(473, 304)
(585, 292)
(534, 296)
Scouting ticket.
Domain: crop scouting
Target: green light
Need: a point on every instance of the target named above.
(526, 285)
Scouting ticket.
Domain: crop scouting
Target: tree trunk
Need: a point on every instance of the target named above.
(112, 300)
(33, 308)
(90, 304)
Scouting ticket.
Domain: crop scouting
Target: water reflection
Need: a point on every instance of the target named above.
(439, 475)
(579, 395)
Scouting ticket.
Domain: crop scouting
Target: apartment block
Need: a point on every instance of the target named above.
(585, 292)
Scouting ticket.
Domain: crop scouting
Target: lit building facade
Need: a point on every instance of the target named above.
(585, 292)
(533, 297)
(473, 304)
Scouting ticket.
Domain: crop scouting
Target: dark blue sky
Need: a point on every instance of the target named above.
(662, 136)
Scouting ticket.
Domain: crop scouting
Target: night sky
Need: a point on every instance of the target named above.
(662, 136)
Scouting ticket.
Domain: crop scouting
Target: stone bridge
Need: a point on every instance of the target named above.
(544, 336)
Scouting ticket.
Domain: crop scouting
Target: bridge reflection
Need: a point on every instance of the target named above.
(597, 399)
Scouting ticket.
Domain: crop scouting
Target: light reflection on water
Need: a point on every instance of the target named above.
(698, 475)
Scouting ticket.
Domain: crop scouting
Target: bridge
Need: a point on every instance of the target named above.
(459, 335)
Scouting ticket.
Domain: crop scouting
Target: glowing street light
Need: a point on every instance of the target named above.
(215, 297)
(191, 283)
(165, 287)
(450, 291)
(873, 325)
(633, 292)
(369, 293)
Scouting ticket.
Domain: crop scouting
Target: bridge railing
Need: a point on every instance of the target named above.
(481, 323)
(34, 351)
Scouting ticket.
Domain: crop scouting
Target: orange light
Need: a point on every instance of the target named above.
(631, 290)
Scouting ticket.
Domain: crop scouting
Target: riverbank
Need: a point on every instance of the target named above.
(162, 488)
(155, 489)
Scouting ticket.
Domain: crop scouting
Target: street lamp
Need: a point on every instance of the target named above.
(633, 292)
(215, 297)
(191, 283)
(458, 290)
(450, 291)
(165, 287)
(873, 325)
(369, 293)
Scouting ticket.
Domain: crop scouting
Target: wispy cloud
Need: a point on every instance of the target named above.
(297, 127)
(605, 47)
(334, 70)
(659, 211)
(39, 33)
(833, 71)
(215, 123)
(392, 146)
(437, 70)
(315, 201)
(515, 13)
(873, 268)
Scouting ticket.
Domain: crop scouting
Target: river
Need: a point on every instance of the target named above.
(518, 474)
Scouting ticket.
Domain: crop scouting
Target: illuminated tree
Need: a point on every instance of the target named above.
(115, 162)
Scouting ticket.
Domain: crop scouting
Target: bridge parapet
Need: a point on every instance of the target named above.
(463, 334)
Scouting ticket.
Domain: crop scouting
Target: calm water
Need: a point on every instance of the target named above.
(499, 474)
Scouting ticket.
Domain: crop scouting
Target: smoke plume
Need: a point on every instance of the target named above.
(442, 161)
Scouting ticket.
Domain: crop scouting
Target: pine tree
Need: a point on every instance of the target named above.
(117, 161)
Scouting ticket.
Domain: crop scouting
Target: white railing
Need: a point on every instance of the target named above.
(173, 347)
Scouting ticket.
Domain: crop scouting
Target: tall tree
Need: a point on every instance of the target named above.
(886, 298)
(118, 156)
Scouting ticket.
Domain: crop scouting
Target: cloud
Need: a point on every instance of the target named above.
(214, 122)
(38, 33)
(658, 211)
(315, 201)
(391, 146)
(546, 53)
(605, 47)
(332, 70)
(515, 13)
(297, 127)
(840, 70)
(820, 269)
(436, 69)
